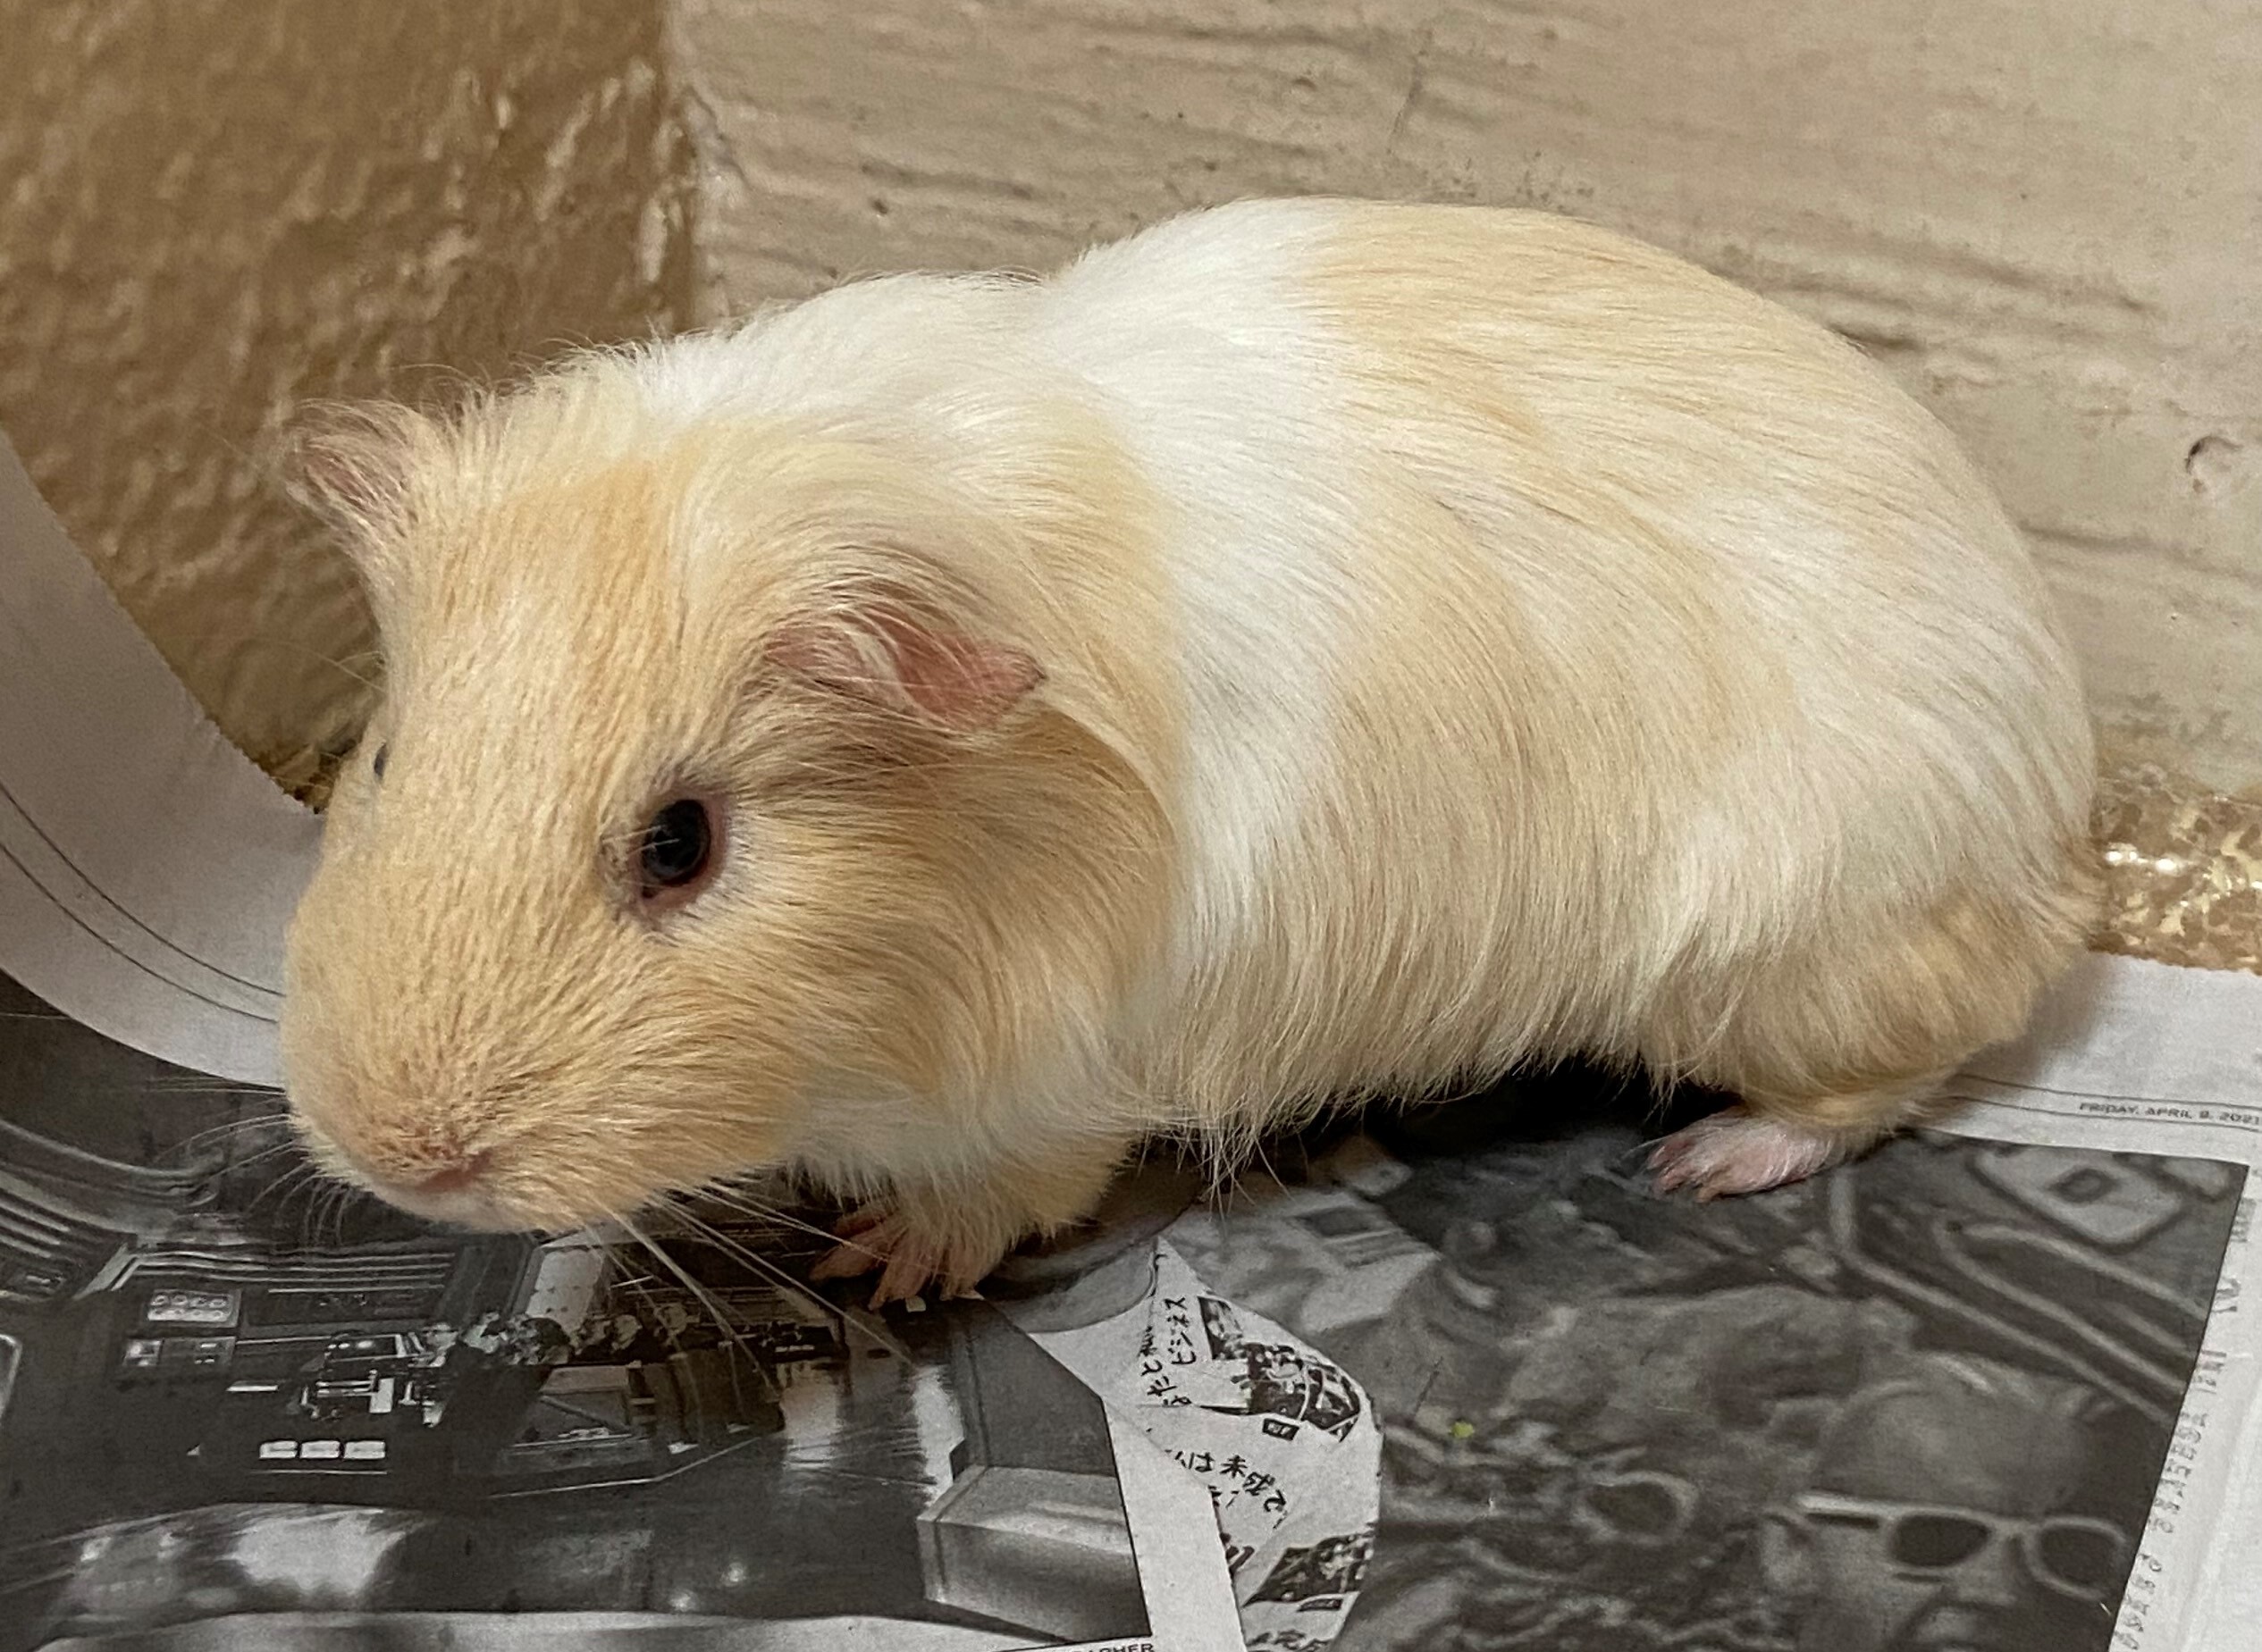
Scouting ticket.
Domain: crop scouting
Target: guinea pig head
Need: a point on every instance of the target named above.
(708, 759)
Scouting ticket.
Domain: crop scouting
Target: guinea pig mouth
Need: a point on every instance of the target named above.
(475, 1195)
(457, 1200)
(482, 1201)
(513, 1184)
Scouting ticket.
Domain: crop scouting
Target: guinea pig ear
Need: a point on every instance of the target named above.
(348, 463)
(885, 654)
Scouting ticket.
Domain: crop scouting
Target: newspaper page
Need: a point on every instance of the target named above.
(238, 1408)
(2155, 1075)
(1980, 1390)
(1449, 1380)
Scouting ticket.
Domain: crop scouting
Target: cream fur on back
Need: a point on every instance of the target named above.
(1572, 652)
(1466, 636)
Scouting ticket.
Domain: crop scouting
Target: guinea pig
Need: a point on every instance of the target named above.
(927, 740)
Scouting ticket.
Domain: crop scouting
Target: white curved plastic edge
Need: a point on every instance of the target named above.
(147, 868)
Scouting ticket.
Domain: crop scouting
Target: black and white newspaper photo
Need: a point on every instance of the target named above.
(1923, 1401)
(227, 1394)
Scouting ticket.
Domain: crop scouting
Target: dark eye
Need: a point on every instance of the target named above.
(678, 846)
(377, 763)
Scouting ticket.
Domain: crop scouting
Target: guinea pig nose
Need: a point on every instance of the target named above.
(455, 1178)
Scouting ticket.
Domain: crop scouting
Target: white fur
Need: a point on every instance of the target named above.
(1196, 342)
(1219, 384)
(1189, 342)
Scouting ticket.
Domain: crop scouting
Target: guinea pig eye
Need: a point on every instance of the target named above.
(677, 850)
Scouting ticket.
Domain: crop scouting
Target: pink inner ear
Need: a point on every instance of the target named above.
(961, 683)
(341, 478)
(351, 459)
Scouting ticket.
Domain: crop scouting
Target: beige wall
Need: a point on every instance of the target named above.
(210, 209)
(2045, 218)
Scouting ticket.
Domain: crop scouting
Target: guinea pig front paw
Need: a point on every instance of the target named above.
(914, 1254)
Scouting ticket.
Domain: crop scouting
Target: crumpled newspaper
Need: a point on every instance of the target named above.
(1286, 1441)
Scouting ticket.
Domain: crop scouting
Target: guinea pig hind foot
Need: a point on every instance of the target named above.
(1746, 1149)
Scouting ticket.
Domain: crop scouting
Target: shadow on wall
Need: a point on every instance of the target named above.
(215, 210)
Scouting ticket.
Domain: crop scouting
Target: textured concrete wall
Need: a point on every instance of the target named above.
(211, 209)
(2045, 218)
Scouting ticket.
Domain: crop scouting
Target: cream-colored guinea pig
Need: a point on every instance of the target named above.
(931, 737)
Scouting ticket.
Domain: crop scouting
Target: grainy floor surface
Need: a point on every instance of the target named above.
(2183, 872)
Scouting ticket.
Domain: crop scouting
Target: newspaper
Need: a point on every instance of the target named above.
(1452, 1378)
(240, 1412)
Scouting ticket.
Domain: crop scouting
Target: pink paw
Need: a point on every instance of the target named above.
(1736, 1152)
(911, 1259)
